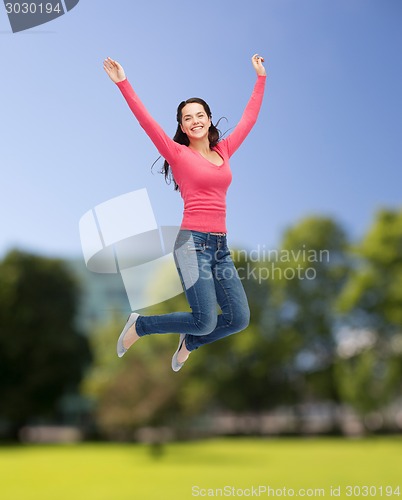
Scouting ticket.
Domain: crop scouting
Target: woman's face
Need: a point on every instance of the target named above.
(195, 122)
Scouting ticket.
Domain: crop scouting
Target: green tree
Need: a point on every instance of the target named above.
(373, 294)
(369, 375)
(42, 355)
(307, 275)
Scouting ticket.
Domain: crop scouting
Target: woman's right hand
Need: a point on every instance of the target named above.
(114, 70)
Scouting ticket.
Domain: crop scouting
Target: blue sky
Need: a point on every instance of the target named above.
(328, 140)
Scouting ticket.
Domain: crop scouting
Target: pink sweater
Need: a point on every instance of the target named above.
(202, 184)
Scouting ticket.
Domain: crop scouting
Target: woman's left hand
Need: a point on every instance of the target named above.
(257, 63)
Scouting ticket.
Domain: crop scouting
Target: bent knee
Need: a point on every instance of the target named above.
(207, 325)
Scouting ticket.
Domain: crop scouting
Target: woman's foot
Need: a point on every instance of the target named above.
(181, 354)
(128, 336)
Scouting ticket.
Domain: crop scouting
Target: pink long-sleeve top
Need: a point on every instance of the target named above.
(203, 185)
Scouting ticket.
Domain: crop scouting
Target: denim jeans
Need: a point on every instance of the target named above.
(209, 278)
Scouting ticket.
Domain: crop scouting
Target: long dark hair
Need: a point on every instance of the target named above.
(214, 136)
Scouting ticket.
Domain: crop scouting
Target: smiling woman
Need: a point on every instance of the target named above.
(196, 130)
(199, 164)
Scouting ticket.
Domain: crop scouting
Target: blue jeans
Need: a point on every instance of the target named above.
(209, 278)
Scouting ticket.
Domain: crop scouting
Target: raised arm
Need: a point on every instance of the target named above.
(251, 111)
(164, 144)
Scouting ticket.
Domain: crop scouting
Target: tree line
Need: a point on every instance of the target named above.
(326, 325)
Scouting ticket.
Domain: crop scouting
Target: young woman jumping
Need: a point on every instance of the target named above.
(198, 162)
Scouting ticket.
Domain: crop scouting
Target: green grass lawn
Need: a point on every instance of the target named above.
(221, 468)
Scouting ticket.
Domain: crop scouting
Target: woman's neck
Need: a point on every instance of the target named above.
(200, 146)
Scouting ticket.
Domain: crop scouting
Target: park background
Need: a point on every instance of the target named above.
(310, 396)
